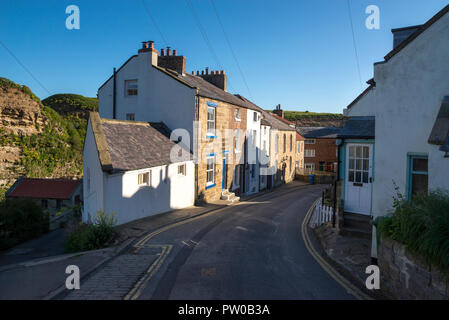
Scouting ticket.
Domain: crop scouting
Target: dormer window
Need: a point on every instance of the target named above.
(131, 87)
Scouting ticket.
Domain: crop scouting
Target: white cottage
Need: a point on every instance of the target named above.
(128, 170)
(398, 126)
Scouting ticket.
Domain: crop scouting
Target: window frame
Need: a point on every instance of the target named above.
(411, 172)
(307, 141)
(183, 170)
(312, 151)
(127, 82)
(210, 183)
(209, 132)
(131, 115)
(144, 174)
(237, 114)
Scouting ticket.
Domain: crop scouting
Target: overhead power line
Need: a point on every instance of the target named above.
(230, 47)
(204, 35)
(354, 43)
(154, 22)
(24, 67)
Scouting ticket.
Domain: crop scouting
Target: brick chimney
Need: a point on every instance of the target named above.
(172, 61)
(279, 111)
(148, 48)
(217, 78)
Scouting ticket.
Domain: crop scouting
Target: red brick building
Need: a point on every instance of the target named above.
(320, 148)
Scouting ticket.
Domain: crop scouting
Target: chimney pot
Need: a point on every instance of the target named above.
(207, 70)
(202, 72)
(162, 51)
(197, 73)
(151, 44)
(144, 44)
(222, 72)
(174, 52)
(193, 73)
(212, 72)
(168, 51)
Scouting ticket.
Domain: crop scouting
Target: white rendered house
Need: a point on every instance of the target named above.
(128, 170)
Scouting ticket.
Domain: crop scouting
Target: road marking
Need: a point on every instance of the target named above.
(154, 267)
(349, 287)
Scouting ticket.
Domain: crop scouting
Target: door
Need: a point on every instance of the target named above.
(358, 180)
(223, 183)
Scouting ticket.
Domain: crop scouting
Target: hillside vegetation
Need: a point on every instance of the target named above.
(50, 143)
(314, 119)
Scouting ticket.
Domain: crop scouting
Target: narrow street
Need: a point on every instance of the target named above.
(253, 250)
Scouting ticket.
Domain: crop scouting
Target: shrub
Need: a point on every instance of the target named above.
(92, 236)
(422, 225)
(20, 220)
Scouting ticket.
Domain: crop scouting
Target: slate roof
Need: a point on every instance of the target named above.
(133, 145)
(440, 130)
(318, 132)
(276, 123)
(208, 90)
(42, 188)
(358, 127)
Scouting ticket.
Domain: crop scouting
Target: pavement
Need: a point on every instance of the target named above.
(250, 250)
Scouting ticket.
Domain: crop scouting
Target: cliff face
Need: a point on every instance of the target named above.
(19, 113)
(37, 141)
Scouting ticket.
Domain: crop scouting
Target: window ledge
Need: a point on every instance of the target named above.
(208, 186)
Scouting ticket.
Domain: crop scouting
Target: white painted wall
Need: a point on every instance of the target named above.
(121, 194)
(159, 98)
(409, 90)
(93, 177)
(252, 134)
(130, 201)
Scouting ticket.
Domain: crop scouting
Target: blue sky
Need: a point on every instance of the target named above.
(296, 53)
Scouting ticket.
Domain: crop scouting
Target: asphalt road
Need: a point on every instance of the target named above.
(253, 250)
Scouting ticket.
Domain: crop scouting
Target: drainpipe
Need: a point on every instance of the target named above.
(196, 143)
(114, 99)
(335, 183)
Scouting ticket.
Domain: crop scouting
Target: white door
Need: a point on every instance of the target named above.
(358, 181)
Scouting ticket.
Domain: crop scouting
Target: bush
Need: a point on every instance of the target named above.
(20, 220)
(92, 236)
(422, 225)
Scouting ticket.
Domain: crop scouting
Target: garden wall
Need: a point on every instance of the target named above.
(407, 276)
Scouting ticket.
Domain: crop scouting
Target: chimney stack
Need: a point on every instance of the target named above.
(279, 111)
(172, 61)
(216, 78)
(148, 47)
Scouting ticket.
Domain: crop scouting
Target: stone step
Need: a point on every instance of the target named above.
(227, 196)
(355, 232)
(358, 221)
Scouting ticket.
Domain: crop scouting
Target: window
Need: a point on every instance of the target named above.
(265, 146)
(237, 114)
(309, 141)
(130, 116)
(130, 87)
(291, 165)
(310, 166)
(182, 169)
(418, 176)
(298, 147)
(44, 204)
(210, 171)
(253, 171)
(144, 178)
(309, 153)
(291, 143)
(255, 116)
(236, 182)
(322, 165)
(254, 138)
(58, 204)
(285, 143)
(211, 122)
(358, 164)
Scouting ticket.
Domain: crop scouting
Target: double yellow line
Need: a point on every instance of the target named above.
(349, 287)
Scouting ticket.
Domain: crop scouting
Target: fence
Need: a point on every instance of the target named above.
(321, 214)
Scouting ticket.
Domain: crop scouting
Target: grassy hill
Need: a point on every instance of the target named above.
(313, 119)
(52, 145)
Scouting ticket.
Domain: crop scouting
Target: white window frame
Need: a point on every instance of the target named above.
(211, 131)
(309, 141)
(237, 141)
(142, 176)
(309, 153)
(210, 182)
(128, 88)
(237, 114)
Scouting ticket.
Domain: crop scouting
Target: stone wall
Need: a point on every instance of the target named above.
(407, 276)
(287, 159)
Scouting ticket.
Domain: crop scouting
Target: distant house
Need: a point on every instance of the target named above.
(134, 170)
(320, 148)
(396, 138)
(51, 194)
